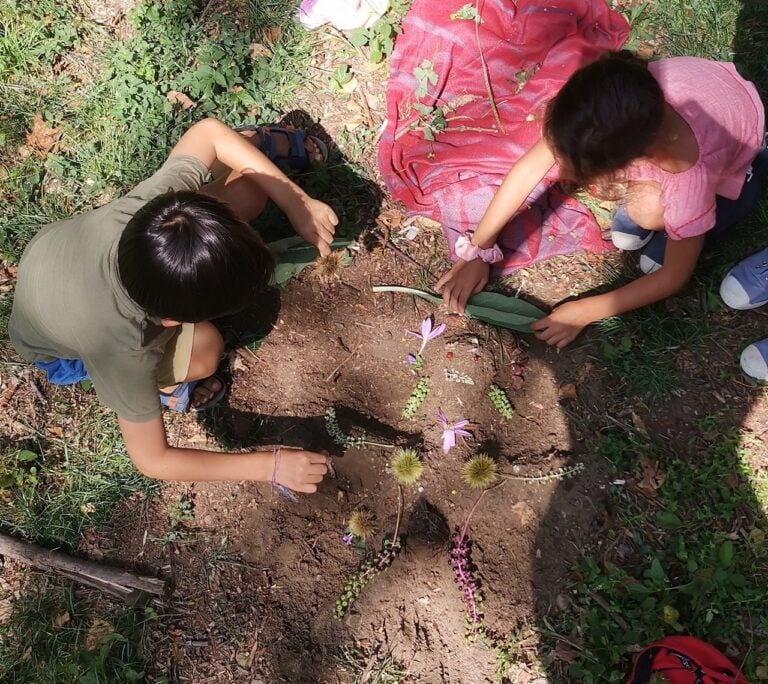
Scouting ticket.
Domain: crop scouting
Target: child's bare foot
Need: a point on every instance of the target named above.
(282, 143)
(205, 391)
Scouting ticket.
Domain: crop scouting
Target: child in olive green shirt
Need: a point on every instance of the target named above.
(129, 290)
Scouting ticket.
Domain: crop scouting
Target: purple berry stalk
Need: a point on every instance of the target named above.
(467, 582)
(464, 574)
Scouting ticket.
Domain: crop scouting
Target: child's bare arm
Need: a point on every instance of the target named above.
(567, 320)
(469, 277)
(211, 141)
(148, 448)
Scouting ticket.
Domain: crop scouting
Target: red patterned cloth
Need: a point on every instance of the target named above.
(530, 47)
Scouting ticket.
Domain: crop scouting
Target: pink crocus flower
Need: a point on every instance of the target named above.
(427, 332)
(450, 432)
(348, 538)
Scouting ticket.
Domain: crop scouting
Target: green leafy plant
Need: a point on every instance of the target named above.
(466, 12)
(492, 308)
(425, 76)
(17, 472)
(368, 569)
(340, 77)
(337, 434)
(542, 478)
(452, 375)
(380, 37)
(417, 398)
(364, 574)
(501, 401)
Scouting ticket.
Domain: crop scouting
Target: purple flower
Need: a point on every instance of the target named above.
(348, 538)
(450, 432)
(412, 359)
(427, 332)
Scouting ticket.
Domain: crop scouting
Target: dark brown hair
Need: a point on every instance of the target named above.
(187, 257)
(606, 115)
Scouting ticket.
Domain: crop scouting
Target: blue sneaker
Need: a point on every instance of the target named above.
(746, 284)
(652, 258)
(626, 234)
(754, 360)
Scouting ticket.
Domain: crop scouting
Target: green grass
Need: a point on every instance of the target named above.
(57, 487)
(34, 650)
(116, 121)
(692, 561)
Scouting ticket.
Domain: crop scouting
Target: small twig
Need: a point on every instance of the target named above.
(557, 636)
(487, 79)
(600, 601)
(477, 503)
(399, 512)
(35, 388)
(367, 109)
(338, 368)
(407, 257)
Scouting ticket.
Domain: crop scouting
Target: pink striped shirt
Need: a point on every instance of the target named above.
(728, 119)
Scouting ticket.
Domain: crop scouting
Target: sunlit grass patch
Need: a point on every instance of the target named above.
(52, 636)
(66, 480)
(683, 551)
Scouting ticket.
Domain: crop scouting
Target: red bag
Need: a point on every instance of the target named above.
(685, 660)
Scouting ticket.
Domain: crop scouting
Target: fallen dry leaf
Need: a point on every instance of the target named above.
(523, 515)
(237, 364)
(245, 660)
(565, 653)
(60, 620)
(653, 477)
(639, 424)
(273, 34)
(567, 392)
(96, 632)
(259, 50)
(584, 372)
(42, 137)
(175, 97)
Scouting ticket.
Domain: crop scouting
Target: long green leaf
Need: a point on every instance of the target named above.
(512, 305)
(429, 296)
(492, 308)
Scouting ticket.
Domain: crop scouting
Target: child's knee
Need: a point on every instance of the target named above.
(207, 350)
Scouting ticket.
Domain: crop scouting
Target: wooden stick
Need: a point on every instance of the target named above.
(115, 581)
(483, 64)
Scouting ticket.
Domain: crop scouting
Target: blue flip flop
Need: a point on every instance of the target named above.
(297, 159)
(180, 399)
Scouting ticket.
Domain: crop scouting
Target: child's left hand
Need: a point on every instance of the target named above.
(562, 326)
(316, 222)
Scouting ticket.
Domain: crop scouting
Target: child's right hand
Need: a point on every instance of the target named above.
(300, 470)
(316, 222)
(461, 282)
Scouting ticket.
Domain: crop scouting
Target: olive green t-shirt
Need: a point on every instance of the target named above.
(69, 302)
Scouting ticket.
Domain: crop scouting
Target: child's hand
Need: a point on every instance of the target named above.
(301, 471)
(562, 326)
(316, 222)
(461, 282)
